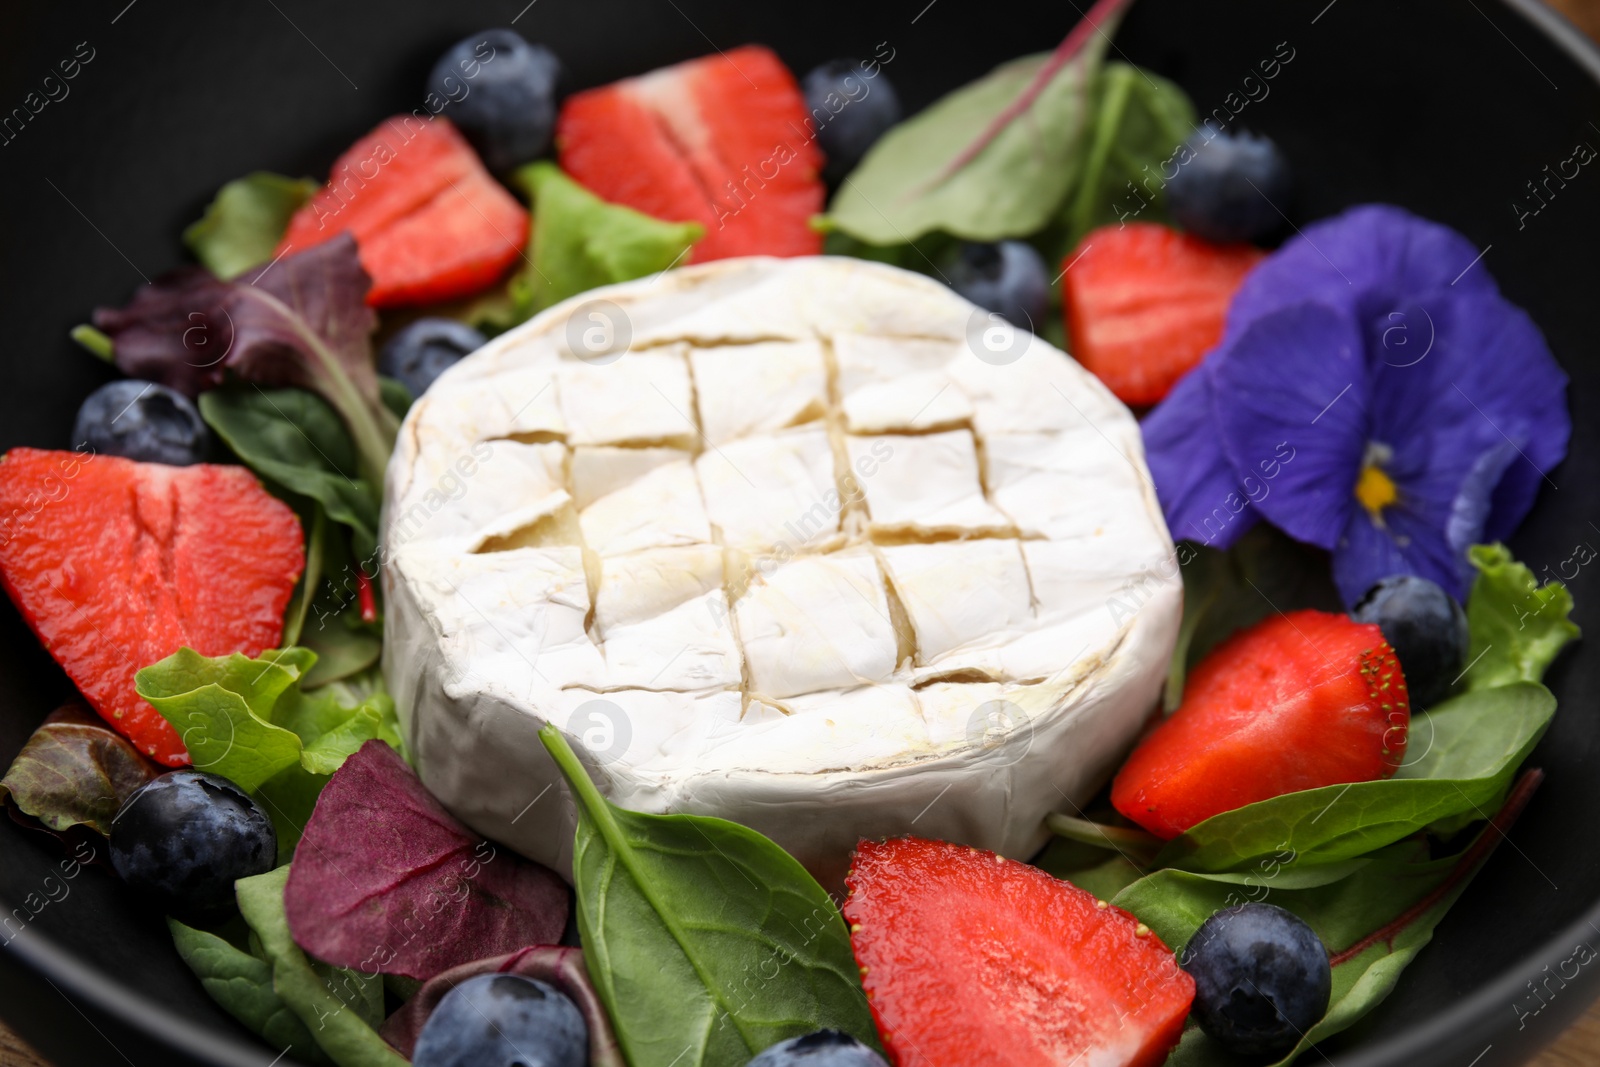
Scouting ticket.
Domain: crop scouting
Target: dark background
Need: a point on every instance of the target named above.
(1447, 107)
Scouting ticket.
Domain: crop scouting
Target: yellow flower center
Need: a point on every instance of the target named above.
(1375, 490)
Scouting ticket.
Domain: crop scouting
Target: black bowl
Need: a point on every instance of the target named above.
(1448, 108)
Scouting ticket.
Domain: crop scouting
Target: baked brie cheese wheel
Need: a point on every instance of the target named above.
(812, 544)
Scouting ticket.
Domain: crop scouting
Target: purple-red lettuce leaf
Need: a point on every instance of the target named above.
(75, 771)
(298, 321)
(385, 880)
(559, 965)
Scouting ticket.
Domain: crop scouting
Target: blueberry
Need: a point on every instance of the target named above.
(1426, 628)
(825, 1048)
(503, 1020)
(1233, 189)
(1261, 978)
(143, 421)
(500, 91)
(850, 109)
(1008, 277)
(185, 837)
(427, 348)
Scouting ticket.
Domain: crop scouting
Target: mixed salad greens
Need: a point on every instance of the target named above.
(1302, 455)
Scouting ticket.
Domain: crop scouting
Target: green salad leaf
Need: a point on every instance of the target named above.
(75, 771)
(344, 647)
(974, 164)
(1374, 914)
(222, 708)
(241, 985)
(340, 1008)
(1516, 626)
(253, 722)
(244, 223)
(1465, 752)
(706, 941)
(580, 242)
(1140, 120)
(294, 439)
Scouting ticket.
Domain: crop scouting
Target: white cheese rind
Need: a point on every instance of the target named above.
(1042, 643)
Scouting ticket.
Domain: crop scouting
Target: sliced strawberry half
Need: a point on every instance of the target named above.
(430, 221)
(968, 957)
(1300, 701)
(117, 564)
(1144, 303)
(722, 141)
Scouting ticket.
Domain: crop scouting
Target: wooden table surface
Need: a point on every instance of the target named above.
(1578, 1047)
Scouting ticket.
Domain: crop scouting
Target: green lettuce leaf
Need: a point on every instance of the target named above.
(252, 721)
(244, 223)
(1140, 119)
(339, 1007)
(241, 985)
(580, 242)
(923, 174)
(1465, 752)
(75, 771)
(222, 708)
(1516, 625)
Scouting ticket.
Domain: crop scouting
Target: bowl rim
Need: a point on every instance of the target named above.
(1463, 1032)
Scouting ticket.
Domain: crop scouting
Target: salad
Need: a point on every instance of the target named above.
(1218, 833)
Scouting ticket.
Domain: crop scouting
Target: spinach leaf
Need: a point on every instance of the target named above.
(294, 439)
(301, 320)
(1516, 625)
(242, 985)
(1103, 877)
(974, 164)
(244, 223)
(1465, 753)
(305, 590)
(344, 647)
(1373, 914)
(706, 941)
(580, 242)
(1139, 121)
(339, 1007)
(75, 770)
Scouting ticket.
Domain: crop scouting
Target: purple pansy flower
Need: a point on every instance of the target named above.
(1373, 394)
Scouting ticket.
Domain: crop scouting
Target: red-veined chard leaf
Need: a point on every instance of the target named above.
(559, 965)
(300, 321)
(385, 880)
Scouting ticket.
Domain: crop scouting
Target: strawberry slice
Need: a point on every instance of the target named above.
(1144, 303)
(430, 221)
(968, 957)
(1299, 701)
(723, 141)
(117, 564)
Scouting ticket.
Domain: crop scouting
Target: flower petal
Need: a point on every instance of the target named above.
(1194, 480)
(1426, 534)
(1475, 371)
(1297, 379)
(1364, 261)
